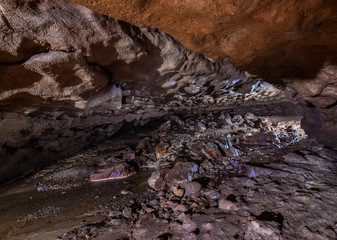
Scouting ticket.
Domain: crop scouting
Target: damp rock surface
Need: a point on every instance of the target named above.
(279, 186)
(60, 92)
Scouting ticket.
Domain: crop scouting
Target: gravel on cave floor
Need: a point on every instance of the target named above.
(211, 176)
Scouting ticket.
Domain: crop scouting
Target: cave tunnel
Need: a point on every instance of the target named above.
(184, 119)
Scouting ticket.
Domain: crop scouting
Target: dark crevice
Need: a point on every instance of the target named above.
(231, 197)
(37, 53)
(271, 217)
(165, 236)
(106, 71)
(3, 17)
(15, 63)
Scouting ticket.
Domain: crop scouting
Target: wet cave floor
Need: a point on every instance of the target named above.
(207, 176)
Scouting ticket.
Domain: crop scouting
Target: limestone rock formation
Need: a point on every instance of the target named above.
(292, 42)
(318, 96)
(70, 77)
(268, 38)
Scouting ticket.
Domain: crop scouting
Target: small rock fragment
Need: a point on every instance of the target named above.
(177, 191)
(168, 204)
(143, 219)
(181, 208)
(225, 204)
(181, 172)
(150, 210)
(113, 171)
(211, 151)
(114, 213)
(236, 118)
(200, 127)
(161, 150)
(153, 178)
(156, 180)
(207, 165)
(259, 230)
(176, 121)
(127, 212)
(207, 226)
(125, 191)
(191, 188)
(250, 116)
(189, 225)
(190, 236)
(196, 149)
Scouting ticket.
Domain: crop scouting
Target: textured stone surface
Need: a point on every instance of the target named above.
(113, 171)
(283, 189)
(273, 38)
(282, 193)
(70, 77)
(285, 41)
(318, 96)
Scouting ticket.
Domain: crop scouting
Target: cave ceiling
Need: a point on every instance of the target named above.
(273, 39)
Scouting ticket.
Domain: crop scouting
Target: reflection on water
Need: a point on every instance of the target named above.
(23, 209)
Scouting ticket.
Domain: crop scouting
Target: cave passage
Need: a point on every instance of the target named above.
(227, 174)
(110, 130)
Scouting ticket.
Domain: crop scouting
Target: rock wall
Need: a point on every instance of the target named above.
(286, 41)
(70, 77)
(318, 97)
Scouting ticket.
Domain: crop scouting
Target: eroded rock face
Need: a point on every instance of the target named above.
(293, 42)
(269, 38)
(70, 77)
(318, 97)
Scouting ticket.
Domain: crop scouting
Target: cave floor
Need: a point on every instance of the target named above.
(211, 176)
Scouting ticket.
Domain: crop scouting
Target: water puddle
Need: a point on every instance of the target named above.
(23, 209)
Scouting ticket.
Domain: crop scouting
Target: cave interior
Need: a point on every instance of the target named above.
(185, 119)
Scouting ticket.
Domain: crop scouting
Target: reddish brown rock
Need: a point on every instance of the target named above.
(269, 38)
(145, 218)
(177, 191)
(226, 146)
(286, 41)
(261, 139)
(211, 151)
(116, 171)
(181, 172)
(191, 188)
(161, 150)
(60, 92)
